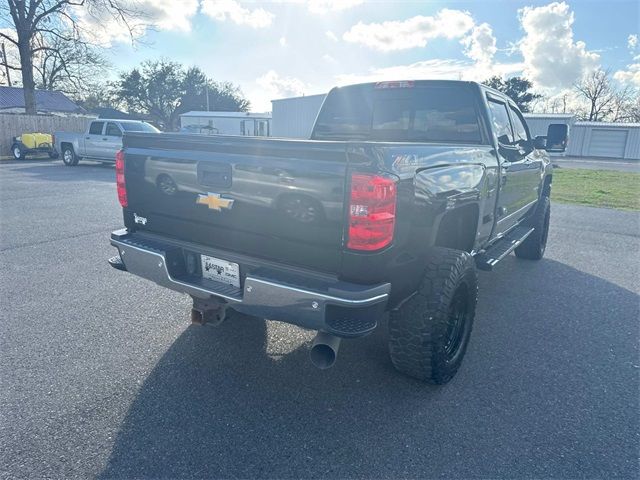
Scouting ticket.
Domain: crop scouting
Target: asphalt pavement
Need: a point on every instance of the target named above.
(101, 374)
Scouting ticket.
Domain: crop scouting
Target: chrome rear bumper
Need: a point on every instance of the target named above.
(340, 308)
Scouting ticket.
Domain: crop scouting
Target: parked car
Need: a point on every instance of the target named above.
(432, 180)
(101, 141)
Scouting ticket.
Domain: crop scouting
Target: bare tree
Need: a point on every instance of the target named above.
(622, 104)
(70, 67)
(37, 19)
(597, 90)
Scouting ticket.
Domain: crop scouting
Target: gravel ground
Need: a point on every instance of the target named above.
(101, 374)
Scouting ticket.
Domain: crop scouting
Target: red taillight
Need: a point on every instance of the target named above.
(120, 183)
(372, 211)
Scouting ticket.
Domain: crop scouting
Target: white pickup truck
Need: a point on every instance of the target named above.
(100, 142)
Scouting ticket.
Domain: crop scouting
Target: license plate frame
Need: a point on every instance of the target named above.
(220, 270)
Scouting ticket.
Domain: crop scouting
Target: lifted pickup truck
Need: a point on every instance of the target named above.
(403, 190)
(100, 142)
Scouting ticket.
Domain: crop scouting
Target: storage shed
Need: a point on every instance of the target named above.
(226, 123)
(603, 139)
(539, 122)
(294, 117)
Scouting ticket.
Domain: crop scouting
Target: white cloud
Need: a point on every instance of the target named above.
(328, 58)
(552, 59)
(331, 36)
(104, 27)
(480, 44)
(169, 14)
(413, 32)
(632, 42)
(283, 41)
(629, 76)
(324, 6)
(232, 10)
(432, 69)
(281, 87)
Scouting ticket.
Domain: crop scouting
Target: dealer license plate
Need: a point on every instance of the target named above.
(220, 270)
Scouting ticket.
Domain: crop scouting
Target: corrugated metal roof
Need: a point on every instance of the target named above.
(548, 115)
(197, 113)
(607, 124)
(46, 101)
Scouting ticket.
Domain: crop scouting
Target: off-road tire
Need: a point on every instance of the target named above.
(535, 244)
(427, 339)
(69, 157)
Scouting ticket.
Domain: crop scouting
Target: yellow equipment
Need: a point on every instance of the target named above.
(36, 140)
(28, 143)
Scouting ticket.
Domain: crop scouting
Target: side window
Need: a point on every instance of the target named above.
(113, 130)
(500, 120)
(520, 129)
(96, 128)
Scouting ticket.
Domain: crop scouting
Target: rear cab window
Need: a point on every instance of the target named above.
(96, 128)
(138, 127)
(113, 130)
(419, 112)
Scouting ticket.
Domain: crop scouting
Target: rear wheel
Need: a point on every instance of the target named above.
(69, 157)
(428, 334)
(535, 244)
(17, 152)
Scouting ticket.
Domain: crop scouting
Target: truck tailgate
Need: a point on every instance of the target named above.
(275, 199)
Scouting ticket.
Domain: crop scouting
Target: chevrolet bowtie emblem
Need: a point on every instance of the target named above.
(214, 201)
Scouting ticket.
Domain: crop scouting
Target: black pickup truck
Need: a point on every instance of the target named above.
(403, 190)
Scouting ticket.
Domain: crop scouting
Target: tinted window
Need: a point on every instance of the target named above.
(138, 127)
(113, 130)
(500, 120)
(96, 128)
(417, 114)
(519, 128)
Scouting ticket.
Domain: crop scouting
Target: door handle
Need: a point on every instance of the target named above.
(87, 138)
(105, 139)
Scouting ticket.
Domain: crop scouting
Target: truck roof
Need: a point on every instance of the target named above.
(118, 120)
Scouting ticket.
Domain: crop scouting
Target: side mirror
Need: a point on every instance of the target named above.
(540, 142)
(557, 137)
(511, 152)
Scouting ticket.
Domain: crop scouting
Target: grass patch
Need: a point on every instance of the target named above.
(597, 188)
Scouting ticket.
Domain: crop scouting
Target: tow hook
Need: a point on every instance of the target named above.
(208, 312)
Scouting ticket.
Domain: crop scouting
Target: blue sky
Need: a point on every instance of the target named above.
(279, 48)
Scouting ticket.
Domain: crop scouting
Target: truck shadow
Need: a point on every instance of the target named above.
(55, 171)
(218, 405)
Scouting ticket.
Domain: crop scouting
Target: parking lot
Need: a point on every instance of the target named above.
(101, 373)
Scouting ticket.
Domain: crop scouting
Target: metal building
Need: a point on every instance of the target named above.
(294, 117)
(602, 139)
(539, 122)
(226, 123)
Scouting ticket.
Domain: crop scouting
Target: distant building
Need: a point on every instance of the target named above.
(48, 102)
(294, 117)
(226, 123)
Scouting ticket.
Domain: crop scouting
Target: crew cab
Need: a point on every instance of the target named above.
(100, 142)
(403, 191)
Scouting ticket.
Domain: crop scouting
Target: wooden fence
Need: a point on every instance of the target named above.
(12, 125)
